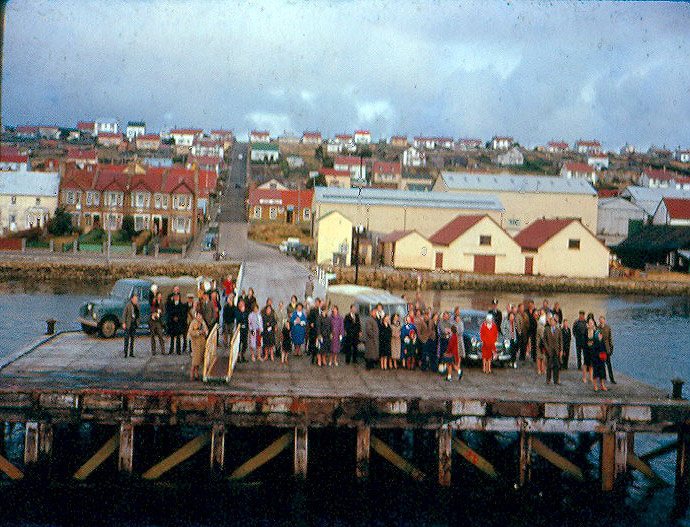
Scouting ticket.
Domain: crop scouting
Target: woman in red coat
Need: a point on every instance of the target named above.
(488, 334)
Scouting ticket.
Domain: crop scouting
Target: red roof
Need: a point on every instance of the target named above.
(334, 173)
(14, 158)
(575, 166)
(588, 143)
(678, 209)
(540, 231)
(452, 230)
(149, 137)
(77, 180)
(186, 131)
(661, 175)
(281, 197)
(27, 129)
(608, 192)
(112, 181)
(205, 160)
(85, 125)
(349, 160)
(222, 132)
(394, 236)
(311, 134)
(109, 135)
(561, 145)
(387, 166)
(344, 137)
(362, 132)
(82, 154)
(598, 156)
(259, 132)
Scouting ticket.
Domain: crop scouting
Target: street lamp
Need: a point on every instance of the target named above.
(358, 231)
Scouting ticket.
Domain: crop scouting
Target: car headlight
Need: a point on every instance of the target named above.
(506, 343)
(94, 315)
(89, 307)
(473, 341)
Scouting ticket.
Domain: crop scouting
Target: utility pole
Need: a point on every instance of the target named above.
(2, 45)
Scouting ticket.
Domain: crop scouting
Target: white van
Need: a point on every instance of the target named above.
(365, 299)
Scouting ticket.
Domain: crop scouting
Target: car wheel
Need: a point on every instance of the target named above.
(108, 327)
(89, 330)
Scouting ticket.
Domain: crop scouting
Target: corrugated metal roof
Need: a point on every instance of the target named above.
(407, 198)
(506, 182)
(649, 198)
(30, 183)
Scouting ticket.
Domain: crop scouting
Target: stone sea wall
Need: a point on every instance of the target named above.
(425, 280)
(103, 272)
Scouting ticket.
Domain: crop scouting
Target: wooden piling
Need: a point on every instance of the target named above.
(45, 439)
(614, 458)
(682, 469)
(31, 444)
(363, 452)
(525, 458)
(126, 452)
(478, 461)
(218, 447)
(3, 427)
(301, 451)
(556, 459)
(445, 443)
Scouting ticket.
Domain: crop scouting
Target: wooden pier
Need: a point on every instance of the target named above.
(72, 378)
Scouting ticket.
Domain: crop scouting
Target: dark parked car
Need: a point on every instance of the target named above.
(472, 320)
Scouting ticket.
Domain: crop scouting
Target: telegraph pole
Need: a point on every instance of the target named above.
(2, 45)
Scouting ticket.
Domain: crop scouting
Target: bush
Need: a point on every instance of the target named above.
(61, 223)
(127, 229)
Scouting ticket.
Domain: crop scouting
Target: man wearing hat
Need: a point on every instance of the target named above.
(496, 314)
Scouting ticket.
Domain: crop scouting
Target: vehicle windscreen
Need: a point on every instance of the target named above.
(121, 290)
(472, 322)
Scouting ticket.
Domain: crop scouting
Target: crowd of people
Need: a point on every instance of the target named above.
(421, 339)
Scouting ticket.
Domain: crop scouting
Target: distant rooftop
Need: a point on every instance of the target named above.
(30, 183)
(505, 182)
(408, 198)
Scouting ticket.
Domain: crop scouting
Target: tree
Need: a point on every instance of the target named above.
(327, 162)
(127, 229)
(61, 223)
(318, 153)
(318, 181)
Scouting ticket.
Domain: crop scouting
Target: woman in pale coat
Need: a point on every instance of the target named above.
(396, 342)
(196, 334)
(256, 328)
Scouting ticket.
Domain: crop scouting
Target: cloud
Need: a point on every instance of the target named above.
(274, 122)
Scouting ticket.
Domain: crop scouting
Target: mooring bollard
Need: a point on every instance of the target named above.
(50, 326)
(677, 388)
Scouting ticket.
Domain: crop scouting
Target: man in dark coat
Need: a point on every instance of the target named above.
(566, 336)
(176, 314)
(130, 321)
(607, 338)
(156, 323)
(353, 328)
(242, 322)
(228, 319)
(311, 329)
(580, 334)
(371, 339)
(496, 313)
(532, 331)
(553, 348)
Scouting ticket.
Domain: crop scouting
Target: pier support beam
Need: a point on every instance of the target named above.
(445, 444)
(301, 451)
(525, 458)
(474, 458)
(556, 459)
(182, 454)
(363, 452)
(682, 469)
(388, 454)
(614, 458)
(218, 447)
(98, 458)
(45, 439)
(125, 461)
(262, 457)
(31, 443)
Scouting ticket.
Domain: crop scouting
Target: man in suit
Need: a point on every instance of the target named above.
(580, 334)
(607, 338)
(312, 316)
(553, 349)
(353, 328)
(130, 321)
(371, 340)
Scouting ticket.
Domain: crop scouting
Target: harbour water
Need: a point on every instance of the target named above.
(651, 343)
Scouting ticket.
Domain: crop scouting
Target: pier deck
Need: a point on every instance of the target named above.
(76, 376)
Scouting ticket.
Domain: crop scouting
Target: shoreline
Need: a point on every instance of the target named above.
(439, 281)
(103, 272)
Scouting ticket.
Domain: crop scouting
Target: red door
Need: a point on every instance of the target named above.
(529, 265)
(439, 260)
(485, 263)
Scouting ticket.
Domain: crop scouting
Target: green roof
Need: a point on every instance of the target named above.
(265, 147)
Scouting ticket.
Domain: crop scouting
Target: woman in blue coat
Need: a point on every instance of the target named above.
(298, 329)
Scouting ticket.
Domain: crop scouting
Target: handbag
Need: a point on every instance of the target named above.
(602, 355)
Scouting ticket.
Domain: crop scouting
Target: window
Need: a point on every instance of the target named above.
(87, 219)
(95, 197)
(306, 214)
(272, 213)
(574, 243)
(38, 201)
(157, 201)
(257, 212)
(13, 200)
(164, 201)
(138, 223)
(513, 222)
(484, 239)
(89, 198)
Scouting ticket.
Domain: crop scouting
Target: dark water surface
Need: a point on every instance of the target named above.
(652, 343)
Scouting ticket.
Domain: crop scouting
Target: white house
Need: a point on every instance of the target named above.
(14, 161)
(511, 157)
(185, 136)
(362, 137)
(135, 129)
(683, 156)
(501, 143)
(27, 199)
(356, 166)
(265, 152)
(259, 136)
(413, 157)
(576, 170)
(108, 125)
(311, 138)
(588, 147)
(598, 161)
(557, 147)
(207, 148)
(672, 211)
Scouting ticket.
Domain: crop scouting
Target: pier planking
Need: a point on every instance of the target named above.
(72, 376)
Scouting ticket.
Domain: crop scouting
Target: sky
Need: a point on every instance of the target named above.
(537, 71)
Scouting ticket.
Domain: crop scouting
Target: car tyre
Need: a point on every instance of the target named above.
(108, 327)
(89, 330)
